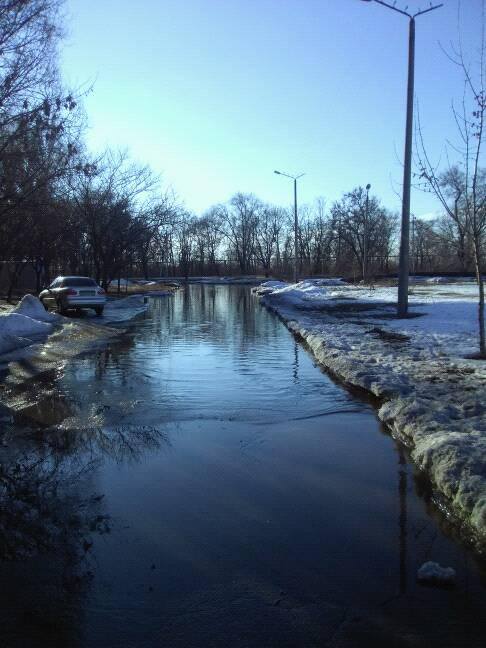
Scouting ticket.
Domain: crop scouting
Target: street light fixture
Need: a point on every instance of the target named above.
(296, 221)
(404, 260)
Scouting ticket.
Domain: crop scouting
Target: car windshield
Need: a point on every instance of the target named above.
(78, 281)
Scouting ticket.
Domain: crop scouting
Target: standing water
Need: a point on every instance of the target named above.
(202, 483)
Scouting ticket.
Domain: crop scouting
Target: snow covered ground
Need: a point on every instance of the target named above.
(432, 397)
(28, 323)
(242, 281)
(25, 324)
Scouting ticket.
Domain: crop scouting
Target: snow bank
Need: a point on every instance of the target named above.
(9, 343)
(134, 301)
(270, 286)
(123, 283)
(32, 307)
(17, 324)
(123, 310)
(433, 398)
(27, 323)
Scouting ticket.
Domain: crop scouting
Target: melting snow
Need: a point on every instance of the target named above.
(433, 398)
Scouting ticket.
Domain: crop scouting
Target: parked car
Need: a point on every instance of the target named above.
(73, 293)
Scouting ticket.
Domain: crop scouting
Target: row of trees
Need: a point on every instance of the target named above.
(61, 210)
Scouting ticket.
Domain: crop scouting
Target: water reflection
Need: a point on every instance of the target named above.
(402, 518)
(219, 486)
(51, 511)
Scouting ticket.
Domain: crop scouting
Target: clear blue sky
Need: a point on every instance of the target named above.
(216, 94)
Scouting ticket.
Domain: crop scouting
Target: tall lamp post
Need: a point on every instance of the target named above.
(296, 222)
(404, 260)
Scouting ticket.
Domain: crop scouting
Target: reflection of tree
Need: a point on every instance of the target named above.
(42, 508)
(113, 357)
(120, 443)
(50, 515)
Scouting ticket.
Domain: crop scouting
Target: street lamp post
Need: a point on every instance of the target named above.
(296, 222)
(404, 260)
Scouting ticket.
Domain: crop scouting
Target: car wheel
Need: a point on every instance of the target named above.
(99, 310)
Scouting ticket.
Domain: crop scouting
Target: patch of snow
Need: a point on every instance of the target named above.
(123, 310)
(431, 572)
(21, 325)
(273, 284)
(10, 343)
(123, 283)
(270, 286)
(437, 280)
(133, 301)
(32, 307)
(26, 323)
(333, 281)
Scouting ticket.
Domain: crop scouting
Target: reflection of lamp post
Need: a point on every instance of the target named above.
(365, 233)
(402, 519)
(407, 170)
(296, 222)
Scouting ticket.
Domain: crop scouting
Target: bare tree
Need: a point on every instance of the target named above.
(238, 222)
(461, 187)
(268, 226)
(107, 197)
(368, 231)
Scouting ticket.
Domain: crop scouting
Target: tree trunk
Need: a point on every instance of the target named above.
(13, 279)
(482, 340)
(479, 279)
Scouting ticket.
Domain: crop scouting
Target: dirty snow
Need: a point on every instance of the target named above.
(433, 397)
(32, 307)
(29, 323)
(123, 283)
(123, 310)
(23, 325)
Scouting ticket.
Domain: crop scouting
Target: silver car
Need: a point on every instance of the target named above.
(68, 293)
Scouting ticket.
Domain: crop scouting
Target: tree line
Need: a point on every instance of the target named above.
(63, 210)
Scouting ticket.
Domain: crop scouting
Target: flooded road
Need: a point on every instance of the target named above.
(201, 483)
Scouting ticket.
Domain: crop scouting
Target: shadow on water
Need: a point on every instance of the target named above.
(200, 481)
(50, 514)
